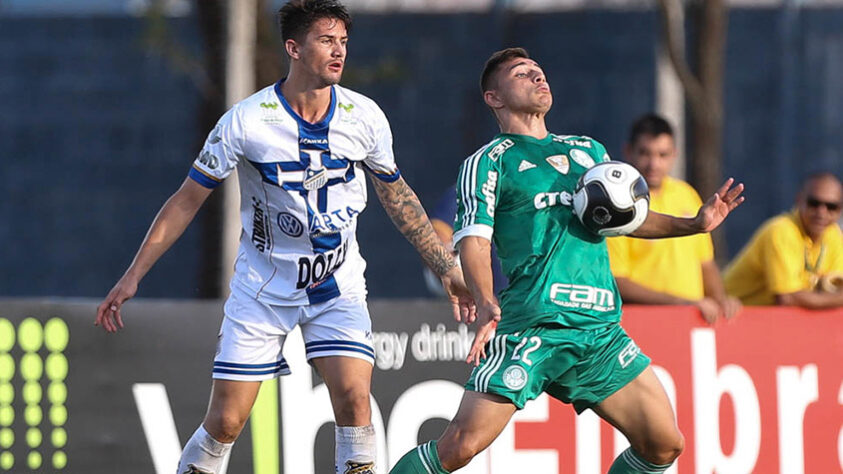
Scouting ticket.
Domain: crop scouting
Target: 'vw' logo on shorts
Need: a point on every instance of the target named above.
(289, 224)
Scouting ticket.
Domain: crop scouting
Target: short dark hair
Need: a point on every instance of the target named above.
(494, 62)
(819, 176)
(297, 16)
(649, 124)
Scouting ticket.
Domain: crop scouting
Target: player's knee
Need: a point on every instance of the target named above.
(224, 427)
(456, 449)
(663, 450)
(353, 406)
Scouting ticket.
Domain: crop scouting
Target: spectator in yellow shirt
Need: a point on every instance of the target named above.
(678, 271)
(796, 258)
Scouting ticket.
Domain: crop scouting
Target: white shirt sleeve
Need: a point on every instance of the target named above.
(380, 160)
(222, 150)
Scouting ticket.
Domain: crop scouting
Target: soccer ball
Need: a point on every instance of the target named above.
(611, 198)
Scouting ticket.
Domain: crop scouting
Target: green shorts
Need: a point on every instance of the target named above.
(581, 367)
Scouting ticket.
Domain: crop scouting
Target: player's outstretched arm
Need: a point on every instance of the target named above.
(408, 215)
(476, 257)
(168, 226)
(708, 218)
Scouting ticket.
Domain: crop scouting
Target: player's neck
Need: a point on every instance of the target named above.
(519, 123)
(307, 97)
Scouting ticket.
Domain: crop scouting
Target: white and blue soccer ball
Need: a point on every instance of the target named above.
(612, 198)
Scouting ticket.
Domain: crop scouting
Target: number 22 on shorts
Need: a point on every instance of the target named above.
(535, 342)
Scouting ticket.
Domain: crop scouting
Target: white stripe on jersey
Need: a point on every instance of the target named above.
(468, 182)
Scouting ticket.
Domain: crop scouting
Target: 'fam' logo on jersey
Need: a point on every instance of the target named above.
(500, 149)
(582, 296)
(488, 189)
(628, 354)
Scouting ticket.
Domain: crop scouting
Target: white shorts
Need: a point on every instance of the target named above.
(252, 335)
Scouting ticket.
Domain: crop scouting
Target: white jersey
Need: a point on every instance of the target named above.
(301, 190)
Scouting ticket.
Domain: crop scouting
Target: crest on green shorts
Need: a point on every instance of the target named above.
(515, 377)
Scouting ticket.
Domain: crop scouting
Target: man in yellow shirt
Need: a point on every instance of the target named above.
(796, 258)
(678, 271)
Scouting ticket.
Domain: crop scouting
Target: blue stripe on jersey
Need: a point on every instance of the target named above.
(203, 180)
(386, 178)
(313, 142)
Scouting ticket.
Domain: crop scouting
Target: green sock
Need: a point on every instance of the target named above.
(420, 460)
(629, 462)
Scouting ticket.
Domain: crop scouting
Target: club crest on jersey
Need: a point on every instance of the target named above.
(582, 158)
(560, 163)
(314, 178)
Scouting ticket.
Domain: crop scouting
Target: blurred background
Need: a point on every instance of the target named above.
(105, 103)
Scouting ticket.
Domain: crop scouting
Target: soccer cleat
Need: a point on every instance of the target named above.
(192, 469)
(359, 468)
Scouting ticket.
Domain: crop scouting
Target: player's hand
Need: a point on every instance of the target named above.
(108, 312)
(718, 206)
(458, 294)
(709, 309)
(488, 316)
(730, 307)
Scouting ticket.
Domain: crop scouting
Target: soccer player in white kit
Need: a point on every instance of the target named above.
(300, 148)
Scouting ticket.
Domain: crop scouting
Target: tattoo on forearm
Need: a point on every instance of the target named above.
(406, 212)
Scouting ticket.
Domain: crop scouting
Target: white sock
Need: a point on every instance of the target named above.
(204, 453)
(356, 449)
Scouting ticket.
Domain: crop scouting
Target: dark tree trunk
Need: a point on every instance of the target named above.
(211, 17)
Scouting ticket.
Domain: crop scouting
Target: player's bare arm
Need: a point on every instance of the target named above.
(403, 207)
(168, 226)
(476, 258)
(710, 216)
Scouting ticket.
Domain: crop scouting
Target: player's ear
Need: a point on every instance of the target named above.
(292, 48)
(492, 100)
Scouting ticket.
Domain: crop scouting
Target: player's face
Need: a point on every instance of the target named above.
(819, 205)
(322, 53)
(653, 156)
(522, 87)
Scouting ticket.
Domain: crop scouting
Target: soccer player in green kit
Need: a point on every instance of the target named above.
(556, 329)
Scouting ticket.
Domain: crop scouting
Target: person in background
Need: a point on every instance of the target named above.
(795, 258)
(679, 271)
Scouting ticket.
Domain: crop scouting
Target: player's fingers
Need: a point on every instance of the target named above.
(111, 316)
(477, 349)
(734, 192)
(737, 202)
(118, 318)
(100, 314)
(723, 189)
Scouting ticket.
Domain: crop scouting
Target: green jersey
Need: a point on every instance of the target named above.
(517, 191)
